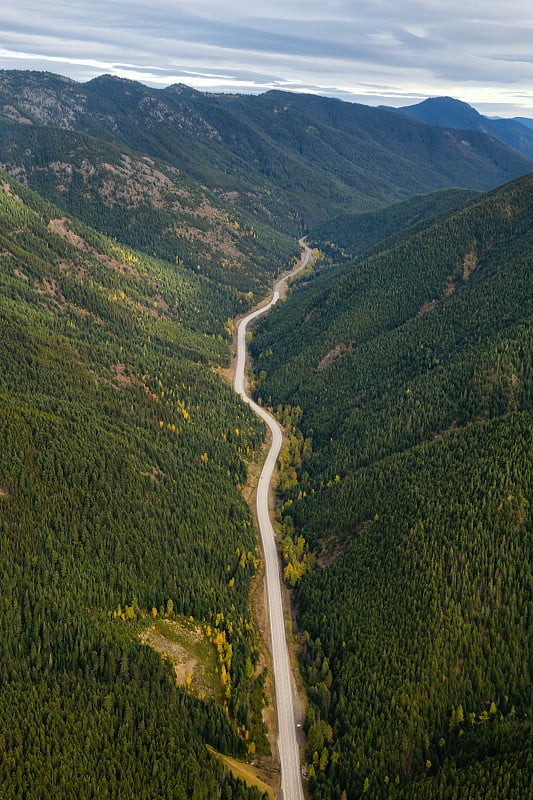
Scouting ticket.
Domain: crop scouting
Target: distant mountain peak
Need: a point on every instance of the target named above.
(437, 107)
(181, 88)
(448, 112)
(108, 79)
(446, 100)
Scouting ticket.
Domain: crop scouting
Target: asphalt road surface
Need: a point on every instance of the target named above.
(291, 777)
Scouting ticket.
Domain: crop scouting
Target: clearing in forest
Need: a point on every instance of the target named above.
(193, 657)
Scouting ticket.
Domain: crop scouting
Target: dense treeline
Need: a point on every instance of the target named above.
(351, 235)
(412, 378)
(425, 620)
(120, 456)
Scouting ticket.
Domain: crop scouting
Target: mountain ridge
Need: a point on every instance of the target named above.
(266, 153)
(448, 112)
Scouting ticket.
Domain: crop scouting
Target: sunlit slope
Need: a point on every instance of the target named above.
(146, 203)
(120, 455)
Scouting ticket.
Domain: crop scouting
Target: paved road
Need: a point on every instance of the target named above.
(291, 780)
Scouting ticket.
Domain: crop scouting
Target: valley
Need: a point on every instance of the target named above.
(141, 231)
(288, 747)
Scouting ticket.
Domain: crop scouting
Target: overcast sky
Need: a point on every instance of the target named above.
(376, 51)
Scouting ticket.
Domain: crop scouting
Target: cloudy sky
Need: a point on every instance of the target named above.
(371, 51)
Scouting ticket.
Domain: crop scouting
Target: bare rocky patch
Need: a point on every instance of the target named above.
(119, 372)
(334, 354)
(470, 262)
(12, 113)
(450, 429)
(8, 190)
(430, 305)
(132, 182)
(48, 286)
(61, 228)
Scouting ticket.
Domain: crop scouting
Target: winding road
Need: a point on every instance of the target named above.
(291, 779)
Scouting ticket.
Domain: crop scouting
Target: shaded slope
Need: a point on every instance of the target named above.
(364, 144)
(412, 370)
(355, 234)
(527, 121)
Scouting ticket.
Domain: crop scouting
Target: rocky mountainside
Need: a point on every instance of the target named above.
(278, 161)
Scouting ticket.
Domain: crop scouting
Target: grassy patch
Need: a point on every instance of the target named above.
(249, 774)
(193, 657)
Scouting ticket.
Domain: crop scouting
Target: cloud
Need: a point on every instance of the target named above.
(382, 51)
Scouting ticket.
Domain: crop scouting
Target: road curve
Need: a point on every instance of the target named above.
(291, 778)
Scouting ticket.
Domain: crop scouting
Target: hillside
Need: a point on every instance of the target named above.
(446, 112)
(355, 234)
(120, 458)
(145, 203)
(408, 396)
(282, 160)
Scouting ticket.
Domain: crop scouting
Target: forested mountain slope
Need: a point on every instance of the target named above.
(120, 455)
(355, 234)
(121, 452)
(145, 203)
(286, 160)
(410, 476)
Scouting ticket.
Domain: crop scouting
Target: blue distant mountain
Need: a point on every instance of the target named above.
(447, 112)
(524, 121)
